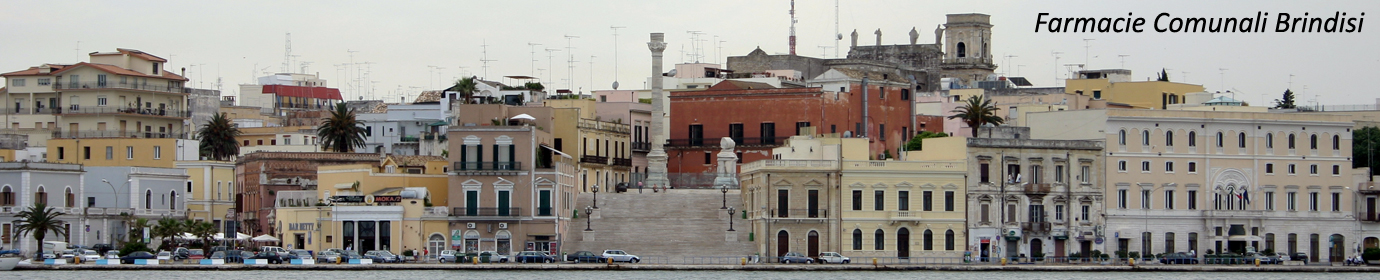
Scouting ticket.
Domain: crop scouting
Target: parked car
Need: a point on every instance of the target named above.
(246, 254)
(1299, 256)
(90, 256)
(164, 256)
(534, 257)
(1178, 258)
(327, 257)
(620, 256)
(1264, 259)
(301, 254)
(621, 187)
(350, 255)
(68, 254)
(795, 257)
(181, 253)
(196, 254)
(832, 257)
(217, 256)
(112, 255)
(232, 256)
(381, 256)
(448, 256)
(493, 257)
(585, 257)
(140, 255)
(272, 257)
(102, 248)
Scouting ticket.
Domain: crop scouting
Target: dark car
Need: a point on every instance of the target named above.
(535, 257)
(102, 248)
(794, 257)
(140, 255)
(381, 256)
(1299, 257)
(300, 254)
(1178, 258)
(273, 258)
(350, 255)
(621, 187)
(232, 256)
(585, 257)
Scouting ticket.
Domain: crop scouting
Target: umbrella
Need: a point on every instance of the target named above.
(523, 117)
(265, 238)
(238, 236)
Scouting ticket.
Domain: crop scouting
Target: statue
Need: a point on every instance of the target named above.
(855, 38)
(914, 35)
(879, 36)
(728, 164)
(938, 33)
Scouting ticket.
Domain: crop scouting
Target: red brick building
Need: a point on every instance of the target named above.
(262, 174)
(760, 117)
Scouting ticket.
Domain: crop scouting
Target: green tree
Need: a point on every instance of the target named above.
(1364, 143)
(915, 144)
(204, 231)
(1287, 102)
(534, 86)
(341, 133)
(136, 230)
(39, 220)
(977, 112)
(466, 88)
(1164, 75)
(218, 138)
(166, 229)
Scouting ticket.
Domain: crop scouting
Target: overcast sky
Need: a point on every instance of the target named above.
(229, 39)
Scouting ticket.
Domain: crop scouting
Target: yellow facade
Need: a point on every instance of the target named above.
(312, 221)
(144, 152)
(212, 189)
(893, 201)
(1139, 94)
(602, 147)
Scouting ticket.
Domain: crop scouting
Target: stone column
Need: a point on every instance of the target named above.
(656, 159)
(728, 164)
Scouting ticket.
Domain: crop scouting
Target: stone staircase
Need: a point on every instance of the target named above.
(661, 225)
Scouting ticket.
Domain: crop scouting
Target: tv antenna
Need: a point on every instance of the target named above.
(615, 55)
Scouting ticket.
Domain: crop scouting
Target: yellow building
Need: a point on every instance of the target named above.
(1115, 85)
(366, 208)
(278, 139)
(603, 149)
(210, 190)
(144, 152)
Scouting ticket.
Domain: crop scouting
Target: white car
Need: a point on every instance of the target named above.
(164, 256)
(620, 256)
(832, 257)
(494, 257)
(112, 255)
(90, 256)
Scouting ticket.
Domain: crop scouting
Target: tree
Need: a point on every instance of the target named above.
(218, 138)
(341, 133)
(1287, 102)
(534, 86)
(1364, 143)
(915, 143)
(466, 88)
(165, 229)
(136, 230)
(39, 220)
(204, 231)
(1164, 75)
(977, 112)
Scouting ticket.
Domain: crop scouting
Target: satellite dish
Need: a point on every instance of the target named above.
(615, 85)
(838, 36)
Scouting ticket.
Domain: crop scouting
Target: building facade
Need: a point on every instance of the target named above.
(510, 190)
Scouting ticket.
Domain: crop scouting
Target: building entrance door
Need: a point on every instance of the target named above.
(903, 243)
(813, 244)
(1059, 248)
(1037, 248)
(783, 243)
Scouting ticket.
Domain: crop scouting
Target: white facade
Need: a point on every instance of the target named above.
(402, 128)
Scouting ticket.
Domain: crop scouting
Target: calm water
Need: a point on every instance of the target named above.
(676, 275)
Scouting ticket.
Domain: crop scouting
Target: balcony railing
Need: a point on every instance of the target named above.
(83, 134)
(492, 165)
(802, 213)
(26, 111)
(546, 211)
(410, 138)
(117, 85)
(748, 141)
(92, 110)
(434, 136)
(485, 212)
(1037, 188)
(1368, 217)
(1033, 227)
(594, 159)
(642, 146)
(622, 162)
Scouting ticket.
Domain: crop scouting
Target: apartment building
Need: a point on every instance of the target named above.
(511, 190)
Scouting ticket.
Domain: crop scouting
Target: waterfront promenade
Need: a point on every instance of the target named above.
(749, 267)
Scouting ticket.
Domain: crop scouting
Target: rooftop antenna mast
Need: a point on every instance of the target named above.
(591, 73)
(615, 55)
(1123, 60)
(793, 27)
(287, 53)
(533, 48)
(1087, 45)
(486, 59)
(694, 41)
(1056, 66)
(837, 36)
(570, 62)
(550, 71)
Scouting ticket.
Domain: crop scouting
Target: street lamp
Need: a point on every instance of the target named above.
(724, 189)
(596, 196)
(730, 219)
(116, 199)
(588, 211)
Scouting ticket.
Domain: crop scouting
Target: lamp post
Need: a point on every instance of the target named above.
(730, 219)
(724, 190)
(588, 211)
(596, 196)
(110, 236)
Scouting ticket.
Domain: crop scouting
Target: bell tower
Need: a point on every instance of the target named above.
(968, 47)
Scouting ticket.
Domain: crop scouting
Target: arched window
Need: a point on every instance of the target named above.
(1241, 140)
(41, 196)
(1269, 140)
(172, 200)
(1192, 138)
(1121, 137)
(857, 239)
(928, 239)
(6, 196)
(1313, 142)
(1145, 138)
(1291, 141)
(1336, 142)
(962, 50)
(949, 240)
(69, 198)
(1169, 138)
(879, 240)
(1219, 139)
(148, 199)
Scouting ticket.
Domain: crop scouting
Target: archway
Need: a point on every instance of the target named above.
(813, 244)
(435, 244)
(1338, 248)
(1037, 248)
(903, 243)
(783, 243)
(1370, 242)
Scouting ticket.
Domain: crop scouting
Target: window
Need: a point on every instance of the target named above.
(800, 126)
(927, 239)
(1192, 200)
(1059, 173)
(148, 199)
(1336, 169)
(949, 201)
(1291, 141)
(1241, 140)
(1121, 137)
(878, 202)
(1219, 139)
(857, 200)
(768, 133)
(1036, 174)
(879, 240)
(1145, 138)
(1313, 142)
(985, 215)
(157, 152)
(1269, 200)
(1192, 167)
(1145, 199)
(1336, 202)
(1270, 242)
(1192, 139)
(1169, 199)
(735, 131)
(1086, 173)
(949, 240)
(1169, 138)
(109, 153)
(1097, 94)
(1269, 168)
(1087, 211)
(62, 153)
(903, 200)
(1145, 166)
(1313, 169)
(1121, 199)
(857, 239)
(45, 81)
(1291, 201)
(1058, 212)
(86, 152)
(101, 101)
(905, 94)
(926, 201)
(1313, 201)
(1269, 140)
(17, 82)
(1120, 166)
(1336, 142)
(1291, 169)
(984, 173)
(1168, 167)
(129, 152)
(1145, 242)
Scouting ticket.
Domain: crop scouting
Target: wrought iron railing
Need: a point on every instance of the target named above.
(117, 85)
(594, 159)
(744, 141)
(492, 165)
(485, 212)
(641, 146)
(622, 162)
(802, 213)
(117, 134)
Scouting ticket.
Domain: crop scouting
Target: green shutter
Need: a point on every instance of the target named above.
(503, 203)
(464, 161)
(471, 203)
(545, 203)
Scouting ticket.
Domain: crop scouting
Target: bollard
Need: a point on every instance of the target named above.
(1257, 262)
(874, 261)
(610, 261)
(475, 259)
(1132, 262)
(744, 260)
(1003, 261)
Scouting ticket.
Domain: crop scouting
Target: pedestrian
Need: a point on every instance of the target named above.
(639, 187)
(426, 253)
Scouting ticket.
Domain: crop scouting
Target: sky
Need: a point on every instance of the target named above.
(392, 49)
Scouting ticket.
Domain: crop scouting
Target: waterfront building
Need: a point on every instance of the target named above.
(1117, 86)
(261, 175)
(510, 189)
(395, 206)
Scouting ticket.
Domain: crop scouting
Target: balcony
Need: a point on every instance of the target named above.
(493, 165)
(411, 139)
(802, 213)
(85, 134)
(594, 159)
(485, 212)
(27, 111)
(741, 142)
(1035, 227)
(112, 85)
(642, 146)
(1368, 217)
(434, 136)
(1040, 189)
(622, 162)
(111, 110)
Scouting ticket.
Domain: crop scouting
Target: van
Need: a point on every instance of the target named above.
(277, 250)
(53, 249)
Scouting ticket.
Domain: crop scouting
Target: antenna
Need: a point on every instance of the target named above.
(304, 66)
(78, 50)
(694, 40)
(591, 73)
(1008, 61)
(570, 61)
(793, 27)
(1087, 44)
(1056, 66)
(533, 48)
(1123, 60)
(287, 53)
(548, 65)
(837, 36)
(823, 51)
(615, 55)
(486, 59)
(1222, 76)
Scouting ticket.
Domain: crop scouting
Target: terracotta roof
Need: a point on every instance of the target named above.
(112, 69)
(33, 71)
(134, 53)
(429, 96)
(416, 160)
(312, 156)
(304, 92)
(367, 106)
(738, 85)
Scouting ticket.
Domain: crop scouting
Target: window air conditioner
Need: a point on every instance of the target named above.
(469, 225)
(502, 225)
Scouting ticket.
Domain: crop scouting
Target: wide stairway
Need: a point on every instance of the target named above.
(661, 226)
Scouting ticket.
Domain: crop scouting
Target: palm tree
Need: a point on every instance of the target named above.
(218, 138)
(977, 112)
(39, 220)
(466, 88)
(203, 230)
(342, 132)
(165, 229)
(136, 229)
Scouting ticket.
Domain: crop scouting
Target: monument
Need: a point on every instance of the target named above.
(656, 159)
(728, 165)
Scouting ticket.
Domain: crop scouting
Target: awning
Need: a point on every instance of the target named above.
(265, 238)
(438, 123)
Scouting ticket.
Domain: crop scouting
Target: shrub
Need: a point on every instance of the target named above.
(1371, 254)
(131, 247)
(1134, 255)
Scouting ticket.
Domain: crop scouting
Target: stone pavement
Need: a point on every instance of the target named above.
(661, 224)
